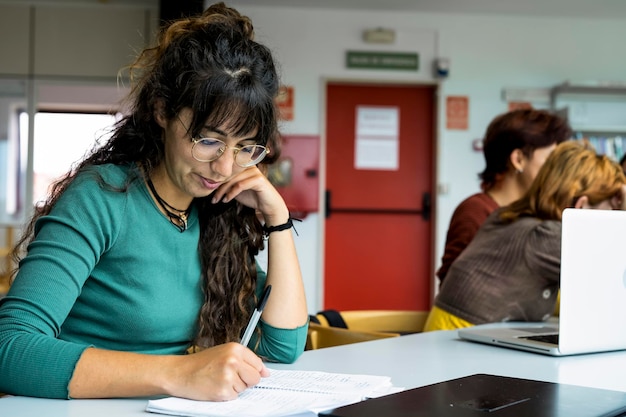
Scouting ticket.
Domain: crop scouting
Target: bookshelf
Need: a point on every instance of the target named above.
(604, 142)
(596, 113)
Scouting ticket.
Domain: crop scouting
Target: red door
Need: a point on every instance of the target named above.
(378, 232)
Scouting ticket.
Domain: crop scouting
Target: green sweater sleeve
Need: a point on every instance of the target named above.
(106, 269)
(33, 360)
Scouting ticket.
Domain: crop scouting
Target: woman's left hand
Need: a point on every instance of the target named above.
(251, 188)
(287, 306)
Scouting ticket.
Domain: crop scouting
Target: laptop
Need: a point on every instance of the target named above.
(498, 396)
(593, 292)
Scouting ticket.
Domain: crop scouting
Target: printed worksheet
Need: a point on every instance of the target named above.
(284, 392)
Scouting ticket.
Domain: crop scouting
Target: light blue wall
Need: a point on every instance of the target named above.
(488, 54)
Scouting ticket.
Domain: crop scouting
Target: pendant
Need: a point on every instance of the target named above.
(183, 219)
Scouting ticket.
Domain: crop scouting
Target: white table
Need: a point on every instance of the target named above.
(411, 361)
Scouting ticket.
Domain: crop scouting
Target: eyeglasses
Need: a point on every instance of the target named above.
(210, 149)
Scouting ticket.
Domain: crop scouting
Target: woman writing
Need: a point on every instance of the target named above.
(510, 270)
(148, 247)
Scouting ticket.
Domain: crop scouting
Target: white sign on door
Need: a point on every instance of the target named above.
(377, 138)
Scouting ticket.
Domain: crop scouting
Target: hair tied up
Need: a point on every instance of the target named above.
(238, 73)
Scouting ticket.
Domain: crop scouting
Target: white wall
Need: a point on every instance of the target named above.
(488, 53)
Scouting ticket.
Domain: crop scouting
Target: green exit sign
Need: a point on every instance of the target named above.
(382, 60)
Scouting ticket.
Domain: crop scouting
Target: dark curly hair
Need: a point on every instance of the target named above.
(211, 64)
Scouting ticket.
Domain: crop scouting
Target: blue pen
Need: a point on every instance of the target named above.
(256, 315)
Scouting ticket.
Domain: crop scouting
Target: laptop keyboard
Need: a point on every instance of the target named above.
(546, 338)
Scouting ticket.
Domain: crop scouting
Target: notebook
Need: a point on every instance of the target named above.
(284, 392)
(498, 396)
(593, 292)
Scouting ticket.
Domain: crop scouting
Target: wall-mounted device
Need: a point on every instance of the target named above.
(442, 67)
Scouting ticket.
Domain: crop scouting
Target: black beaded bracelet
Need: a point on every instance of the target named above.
(288, 225)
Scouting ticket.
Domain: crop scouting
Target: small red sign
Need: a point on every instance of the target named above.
(457, 112)
(284, 100)
(519, 105)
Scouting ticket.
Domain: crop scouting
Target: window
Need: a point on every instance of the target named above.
(12, 158)
(60, 140)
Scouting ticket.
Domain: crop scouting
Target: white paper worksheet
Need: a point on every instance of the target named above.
(284, 392)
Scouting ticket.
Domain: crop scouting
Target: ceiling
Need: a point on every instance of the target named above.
(615, 9)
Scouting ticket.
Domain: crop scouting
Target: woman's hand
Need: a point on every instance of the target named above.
(251, 188)
(286, 307)
(220, 373)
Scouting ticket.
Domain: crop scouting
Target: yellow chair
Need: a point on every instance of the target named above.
(390, 321)
(340, 328)
(320, 336)
(5, 252)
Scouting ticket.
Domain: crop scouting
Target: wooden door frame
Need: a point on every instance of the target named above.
(322, 174)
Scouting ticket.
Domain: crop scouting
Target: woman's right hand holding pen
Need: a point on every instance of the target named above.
(219, 373)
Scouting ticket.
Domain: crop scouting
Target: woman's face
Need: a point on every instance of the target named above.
(532, 164)
(192, 177)
(602, 205)
(612, 203)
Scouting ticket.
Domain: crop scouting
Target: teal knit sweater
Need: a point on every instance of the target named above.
(107, 269)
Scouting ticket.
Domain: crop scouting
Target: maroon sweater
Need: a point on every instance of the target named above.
(466, 220)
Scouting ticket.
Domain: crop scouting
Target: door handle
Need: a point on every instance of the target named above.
(327, 205)
(426, 206)
(424, 212)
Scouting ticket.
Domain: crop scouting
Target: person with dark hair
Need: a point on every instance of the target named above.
(138, 274)
(510, 270)
(515, 146)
